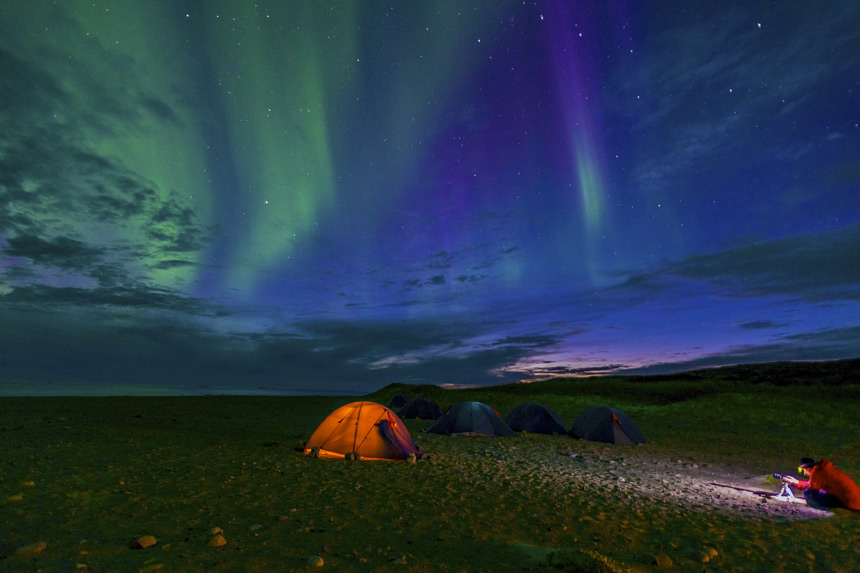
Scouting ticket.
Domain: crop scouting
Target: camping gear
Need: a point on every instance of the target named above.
(785, 494)
(536, 418)
(365, 430)
(471, 419)
(420, 408)
(606, 424)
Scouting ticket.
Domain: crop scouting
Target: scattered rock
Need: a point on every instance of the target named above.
(217, 541)
(576, 559)
(698, 555)
(315, 561)
(144, 542)
(18, 497)
(28, 483)
(31, 549)
(712, 553)
(662, 560)
(215, 531)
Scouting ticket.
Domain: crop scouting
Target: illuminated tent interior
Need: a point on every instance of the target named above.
(368, 429)
(606, 424)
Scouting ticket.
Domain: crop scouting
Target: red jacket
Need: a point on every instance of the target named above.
(824, 475)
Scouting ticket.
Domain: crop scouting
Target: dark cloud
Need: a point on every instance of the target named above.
(173, 228)
(541, 372)
(813, 268)
(86, 299)
(539, 340)
(60, 252)
(173, 264)
(160, 109)
(55, 188)
(761, 324)
(827, 344)
(470, 278)
(809, 267)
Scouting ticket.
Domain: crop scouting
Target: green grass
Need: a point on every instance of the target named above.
(90, 475)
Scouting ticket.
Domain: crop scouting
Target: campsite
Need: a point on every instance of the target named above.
(223, 483)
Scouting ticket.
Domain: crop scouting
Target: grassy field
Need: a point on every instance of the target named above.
(90, 476)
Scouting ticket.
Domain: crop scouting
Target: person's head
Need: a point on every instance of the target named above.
(805, 465)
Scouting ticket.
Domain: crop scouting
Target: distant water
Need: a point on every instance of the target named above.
(46, 389)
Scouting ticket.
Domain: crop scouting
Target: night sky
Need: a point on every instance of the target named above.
(328, 197)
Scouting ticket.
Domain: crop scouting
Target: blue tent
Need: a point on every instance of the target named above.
(471, 419)
(536, 418)
(605, 424)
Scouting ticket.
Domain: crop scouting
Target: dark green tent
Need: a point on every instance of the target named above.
(536, 418)
(397, 401)
(420, 408)
(606, 424)
(471, 419)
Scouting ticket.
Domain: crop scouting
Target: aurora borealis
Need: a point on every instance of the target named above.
(321, 196)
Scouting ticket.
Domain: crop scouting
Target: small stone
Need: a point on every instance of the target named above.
(31, 549)
(698, 556)
(712, 553)
(217, 541)
(28, 483)
(645, 558)
(809, 555)
(215, 531)
(144, 542)
(18, 497)
(663, 561)
(315, 561)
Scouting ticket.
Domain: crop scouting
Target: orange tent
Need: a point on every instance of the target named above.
(365, 428)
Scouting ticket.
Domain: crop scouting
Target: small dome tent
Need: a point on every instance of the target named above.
(365, 428)
(606, 424)
(420, 408)
(536, 418)
(471, 419)
(397, 401)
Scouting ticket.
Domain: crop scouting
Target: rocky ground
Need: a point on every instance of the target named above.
(652, 478)
(216, 484)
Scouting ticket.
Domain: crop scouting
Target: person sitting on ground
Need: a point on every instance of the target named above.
(826, 486)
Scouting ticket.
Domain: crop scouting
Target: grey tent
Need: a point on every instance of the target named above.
(397, 401)
(536, 418)
(420, 408)
(606, 424)
(471, 419)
